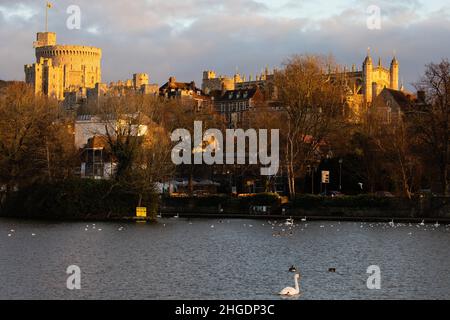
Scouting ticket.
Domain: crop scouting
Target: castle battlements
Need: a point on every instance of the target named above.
(60, 69)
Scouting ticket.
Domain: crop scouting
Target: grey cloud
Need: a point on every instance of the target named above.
(153, 36)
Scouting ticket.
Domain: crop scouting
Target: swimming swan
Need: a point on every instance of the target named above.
(291, 291)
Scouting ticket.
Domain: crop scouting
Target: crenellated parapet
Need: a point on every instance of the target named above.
(62, 69)
(49, 52)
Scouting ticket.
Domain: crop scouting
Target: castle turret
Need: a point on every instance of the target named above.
(140, 79)
(45, 39)
(368, 78)
(209, 75)
(237, 78)
(394, 70)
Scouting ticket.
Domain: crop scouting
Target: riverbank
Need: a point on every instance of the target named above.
(359, 208)
(87, 200)
(221, 216)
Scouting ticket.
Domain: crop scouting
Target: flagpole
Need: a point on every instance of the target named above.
(46, 17)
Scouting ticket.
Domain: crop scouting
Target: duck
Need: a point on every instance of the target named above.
(292, 269)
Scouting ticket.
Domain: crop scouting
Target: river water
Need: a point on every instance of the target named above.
(229, 259)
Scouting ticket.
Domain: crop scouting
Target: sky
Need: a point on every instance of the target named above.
(182, 38)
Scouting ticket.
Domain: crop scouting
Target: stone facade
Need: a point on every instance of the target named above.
(187, 93)
(213, 83)
(363, 86)
(234, 105)
(61, 69)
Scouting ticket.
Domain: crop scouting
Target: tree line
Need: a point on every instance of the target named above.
(37, 134)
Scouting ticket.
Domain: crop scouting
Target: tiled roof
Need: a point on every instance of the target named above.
(242, 94)
(403, 100)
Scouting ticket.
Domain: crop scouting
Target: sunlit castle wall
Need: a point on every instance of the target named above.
(81, 64)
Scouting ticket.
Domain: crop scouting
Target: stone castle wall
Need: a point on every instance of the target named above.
(81, 64)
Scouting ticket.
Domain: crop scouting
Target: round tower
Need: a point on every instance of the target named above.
(394, 71)
(81, 64)
(368, 78)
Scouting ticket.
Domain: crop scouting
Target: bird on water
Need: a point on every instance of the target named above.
(289, 291)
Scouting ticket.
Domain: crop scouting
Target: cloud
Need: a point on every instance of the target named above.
(185, 37)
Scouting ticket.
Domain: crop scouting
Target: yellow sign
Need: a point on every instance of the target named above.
(141, 212)
(326, 177)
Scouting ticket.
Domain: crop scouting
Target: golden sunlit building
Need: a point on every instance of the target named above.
(61, 69)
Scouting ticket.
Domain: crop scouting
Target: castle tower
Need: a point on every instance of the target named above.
(394, 71)
(62, 68)
(209, 75)
(45, 39)
(368, 78)
(237, 78)
(139, 80)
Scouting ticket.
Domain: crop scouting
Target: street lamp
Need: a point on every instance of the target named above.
(340, 174)
(311, 174)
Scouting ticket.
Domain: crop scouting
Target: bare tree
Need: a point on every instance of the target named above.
(138, 143)
(35, 138)
(432, 119)
(313, 102)
(395, 147)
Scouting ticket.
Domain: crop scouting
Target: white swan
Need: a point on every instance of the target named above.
(291, 291)
(422, 223)
(289, 222)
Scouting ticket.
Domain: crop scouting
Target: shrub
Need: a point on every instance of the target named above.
(262, 199)
(74, 199)
(359, 201)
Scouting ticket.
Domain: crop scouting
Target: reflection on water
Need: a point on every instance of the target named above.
(229, 259)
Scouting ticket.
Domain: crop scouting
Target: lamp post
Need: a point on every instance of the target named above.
(340, 173)
(311, 174)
